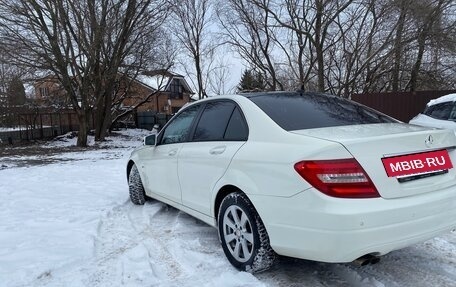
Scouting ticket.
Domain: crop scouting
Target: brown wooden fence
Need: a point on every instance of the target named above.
(400, 105)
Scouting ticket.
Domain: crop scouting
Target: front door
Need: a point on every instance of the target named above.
(161, 165)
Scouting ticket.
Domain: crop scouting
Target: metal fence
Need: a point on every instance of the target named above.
(400, 105)
(147, 120)
(18, 127)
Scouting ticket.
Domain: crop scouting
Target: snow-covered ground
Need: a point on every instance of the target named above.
(17, 128)
(8, 129)
(66, 220)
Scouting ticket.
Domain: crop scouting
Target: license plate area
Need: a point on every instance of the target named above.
(417, 165)
(411, 177)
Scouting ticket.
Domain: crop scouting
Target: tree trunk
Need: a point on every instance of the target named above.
(398, 48)
(103, 117)
(430, 21)
(83, 118)
(103, 129)
(416, 67)
(319, 47)
(199, 77)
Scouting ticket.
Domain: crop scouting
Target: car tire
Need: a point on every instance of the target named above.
(243, 235)
(135, 186)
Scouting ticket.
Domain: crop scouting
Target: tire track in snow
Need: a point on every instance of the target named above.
(129, 238)
(155, 227)
(157, 245)
(117, 245)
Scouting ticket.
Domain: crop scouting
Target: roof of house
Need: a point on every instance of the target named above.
(160, 80)
(157, 80)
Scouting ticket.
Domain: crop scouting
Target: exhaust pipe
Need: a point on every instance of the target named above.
(366, 259)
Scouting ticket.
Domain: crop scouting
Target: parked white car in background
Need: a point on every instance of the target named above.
(439, 113)
(304, 175)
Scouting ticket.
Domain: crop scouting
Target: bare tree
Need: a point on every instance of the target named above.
(404, 9)
(360, 48)
(218, 77)
(317, 17)
(421, 53)
(429, 14)
(156, 54)
(190, 23)
(125, 88)
(6, 74)
(247, 28)
(84, 43)
(344, 47)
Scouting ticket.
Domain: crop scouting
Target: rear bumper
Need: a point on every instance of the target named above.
(313, 226)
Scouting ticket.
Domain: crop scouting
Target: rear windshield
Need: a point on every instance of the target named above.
(297, 111)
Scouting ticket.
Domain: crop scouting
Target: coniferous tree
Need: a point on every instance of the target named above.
(16, 92)
(251, 81)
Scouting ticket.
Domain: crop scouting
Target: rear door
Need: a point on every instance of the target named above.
(219, 133)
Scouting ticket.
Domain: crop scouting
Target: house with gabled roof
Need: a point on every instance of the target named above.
(163, 92)
(158, 91)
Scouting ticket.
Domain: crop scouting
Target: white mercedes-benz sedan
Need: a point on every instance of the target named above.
(299, 174)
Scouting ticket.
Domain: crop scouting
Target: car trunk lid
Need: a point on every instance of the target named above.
(371, 143)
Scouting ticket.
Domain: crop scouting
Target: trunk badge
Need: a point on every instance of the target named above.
(429, 141)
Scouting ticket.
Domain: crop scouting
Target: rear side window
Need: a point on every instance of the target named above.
(237, 128)
(213, 121)
(297, 111)
(442, 111)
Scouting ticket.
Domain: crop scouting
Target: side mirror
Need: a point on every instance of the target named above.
(150, 140)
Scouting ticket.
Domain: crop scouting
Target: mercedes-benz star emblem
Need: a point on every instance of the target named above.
(429, 141)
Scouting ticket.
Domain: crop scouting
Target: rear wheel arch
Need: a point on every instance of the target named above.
(222, 193)
(129, 167)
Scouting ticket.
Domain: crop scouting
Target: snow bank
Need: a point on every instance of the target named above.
(123, 138)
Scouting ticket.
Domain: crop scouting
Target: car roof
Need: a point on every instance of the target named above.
(240, 97)
(443, 99)
(258, 94)
(288, 93)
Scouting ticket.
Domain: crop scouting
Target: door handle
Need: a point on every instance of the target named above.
(217, 150)
(172, 152)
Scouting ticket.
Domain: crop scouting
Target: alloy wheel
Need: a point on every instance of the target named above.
(237, 232)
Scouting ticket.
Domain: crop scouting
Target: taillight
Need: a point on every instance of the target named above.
(343, 178)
